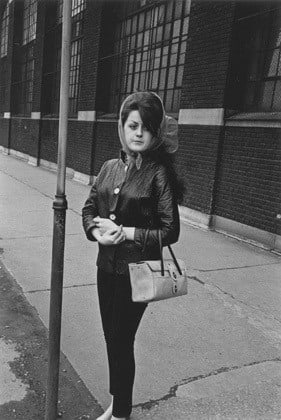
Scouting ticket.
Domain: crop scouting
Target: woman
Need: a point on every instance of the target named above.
(132, 198)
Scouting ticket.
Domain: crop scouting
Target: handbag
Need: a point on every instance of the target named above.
(157, 280)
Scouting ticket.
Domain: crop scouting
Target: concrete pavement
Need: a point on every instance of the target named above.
(212, 354)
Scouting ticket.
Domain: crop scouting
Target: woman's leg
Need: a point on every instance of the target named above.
(120, 318)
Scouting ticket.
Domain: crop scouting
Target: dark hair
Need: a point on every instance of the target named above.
(167, 160)
(149, 107)
(151, 113)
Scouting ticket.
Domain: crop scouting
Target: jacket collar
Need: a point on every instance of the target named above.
(136, 160)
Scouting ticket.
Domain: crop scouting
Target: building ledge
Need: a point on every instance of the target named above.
(255, 119)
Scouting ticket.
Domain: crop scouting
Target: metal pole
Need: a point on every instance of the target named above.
(59, 206)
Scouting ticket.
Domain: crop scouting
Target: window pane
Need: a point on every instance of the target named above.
(178, 10)
(29, 20)
(159, 36)
(179, 76)
(257, 70)
(277, 97)
(271, 63)
(171, 77)
(176, 29)
(162, 79)
(266, 96)
(187, 6)
(5, 31)
(142, 81)
(154, 82)
(185, 26)
(173, 59)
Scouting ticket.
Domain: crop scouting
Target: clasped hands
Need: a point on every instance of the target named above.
(107, 232)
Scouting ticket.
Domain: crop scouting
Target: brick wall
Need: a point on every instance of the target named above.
(207, 56)
(249, 187)
(204, 83)
(196, 164)
(49, 140)
(90, 55)
(107, 143)
(80, 144)
(24, 135)
(4, 86)
(4, 132)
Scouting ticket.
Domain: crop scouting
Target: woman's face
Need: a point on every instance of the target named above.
(138, 138)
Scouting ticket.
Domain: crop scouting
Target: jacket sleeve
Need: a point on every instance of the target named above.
(167, 214)
(90, 209)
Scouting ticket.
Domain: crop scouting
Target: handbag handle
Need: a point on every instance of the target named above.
(171, 252)
(161, 251)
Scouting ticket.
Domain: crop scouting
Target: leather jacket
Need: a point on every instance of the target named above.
(140, 198)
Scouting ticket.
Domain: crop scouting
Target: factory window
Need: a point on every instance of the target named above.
(257, 77)
(23, 87)
(149, 52)
(52, 62)
(4, 31)
(29, 20)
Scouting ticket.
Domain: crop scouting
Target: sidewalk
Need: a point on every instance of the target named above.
(213, 354)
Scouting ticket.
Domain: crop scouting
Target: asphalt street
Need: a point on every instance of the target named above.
(214, 354)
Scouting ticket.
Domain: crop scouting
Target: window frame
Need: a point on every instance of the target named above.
(5, 31)
(237, 109)
(77, 34)
(130, 55)
(29, 21)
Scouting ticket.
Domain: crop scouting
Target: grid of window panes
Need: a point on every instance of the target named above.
(77, 7)
(29, 20)
(51, 77)
(260, 53)
(24, 86)
(52, 53)
(5, 31)
(76, 50)
(149, 53)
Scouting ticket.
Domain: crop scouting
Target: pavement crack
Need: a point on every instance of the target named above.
(148, 405)
(245, 304)
(224, 369)
(238, 267)
(256, 308)
(73, 286)
(196, 279)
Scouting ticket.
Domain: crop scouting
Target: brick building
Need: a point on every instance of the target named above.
(216, 64)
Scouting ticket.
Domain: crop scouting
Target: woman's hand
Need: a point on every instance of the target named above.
(104, 224)
(110, 237)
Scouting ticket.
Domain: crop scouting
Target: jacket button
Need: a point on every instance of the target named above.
(112, 216)
(117, 190)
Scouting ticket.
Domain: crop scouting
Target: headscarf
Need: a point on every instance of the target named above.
(167, 135)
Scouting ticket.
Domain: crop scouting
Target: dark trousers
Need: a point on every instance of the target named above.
(120, 320)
